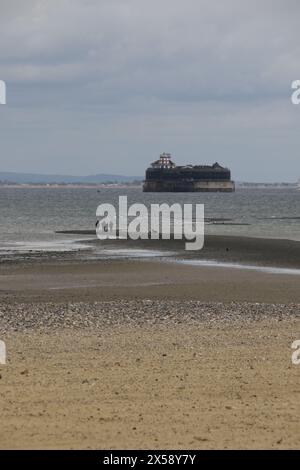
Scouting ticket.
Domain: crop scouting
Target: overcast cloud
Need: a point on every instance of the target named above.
(104, 86)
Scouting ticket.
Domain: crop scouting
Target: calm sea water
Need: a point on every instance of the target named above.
(30, 217)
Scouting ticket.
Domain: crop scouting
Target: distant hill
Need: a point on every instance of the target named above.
(47, 179)
(243, 184)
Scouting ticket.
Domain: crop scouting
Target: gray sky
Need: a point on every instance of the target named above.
(104, 86)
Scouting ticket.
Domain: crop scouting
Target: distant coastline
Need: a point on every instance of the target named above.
(101, 180)
(42, 179)
(266, 185)
(69, 185)
(133, 184)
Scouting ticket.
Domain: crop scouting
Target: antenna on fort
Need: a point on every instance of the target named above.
(165, 160)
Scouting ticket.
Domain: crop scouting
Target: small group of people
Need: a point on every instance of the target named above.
(104, 226)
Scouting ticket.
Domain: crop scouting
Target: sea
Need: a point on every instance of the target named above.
(31, 217)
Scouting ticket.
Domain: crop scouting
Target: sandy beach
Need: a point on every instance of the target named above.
(147, 354)
(192, 385)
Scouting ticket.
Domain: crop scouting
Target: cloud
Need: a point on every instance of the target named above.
(110, 67)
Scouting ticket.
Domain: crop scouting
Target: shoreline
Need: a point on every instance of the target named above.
(225, 249)
(131, 353)
(212, 274)
(140, 279)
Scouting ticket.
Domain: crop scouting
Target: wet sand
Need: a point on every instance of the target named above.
(145, 354)
(118, 279)
(229, 249)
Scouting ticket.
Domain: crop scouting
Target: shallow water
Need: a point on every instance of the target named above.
(220, 264)
(30, 217)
